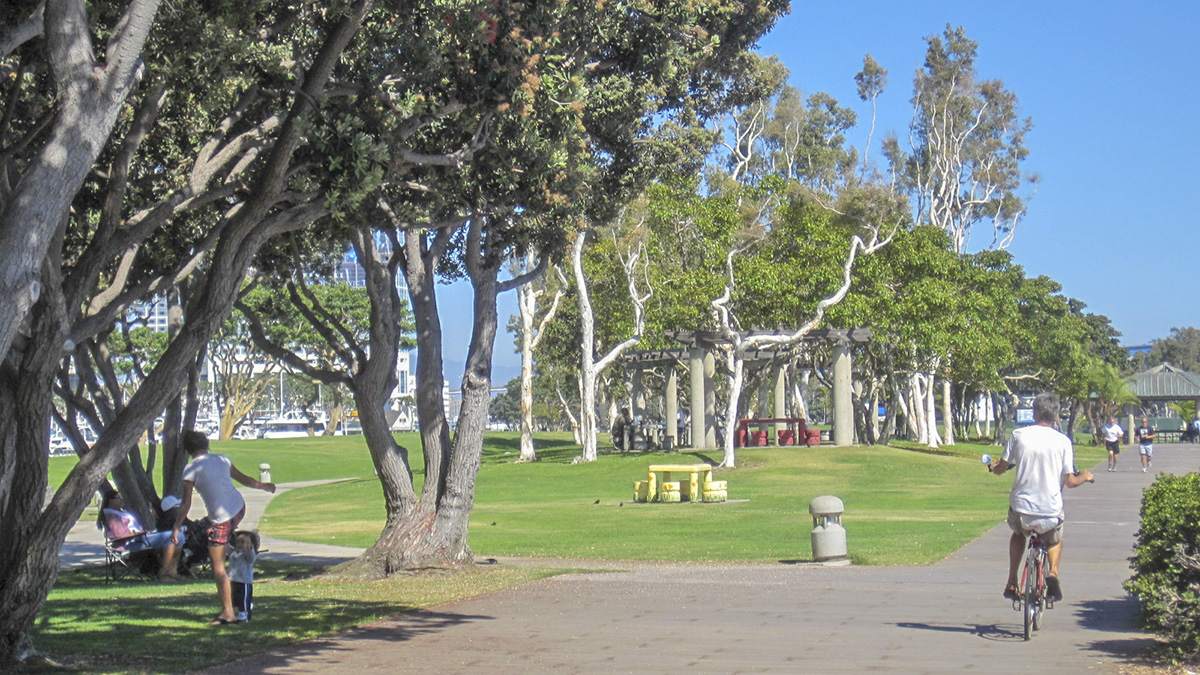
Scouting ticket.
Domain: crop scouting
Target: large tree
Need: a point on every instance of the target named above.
(967, 144)
(210, 212)
(1181, 349)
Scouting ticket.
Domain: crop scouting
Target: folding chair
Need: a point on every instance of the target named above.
(130, 556)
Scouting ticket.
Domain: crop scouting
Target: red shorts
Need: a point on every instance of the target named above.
(219, 533)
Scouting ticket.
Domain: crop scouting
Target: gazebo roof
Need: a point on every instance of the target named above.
(1166, 383)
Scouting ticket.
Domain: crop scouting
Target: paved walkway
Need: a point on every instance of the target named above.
(946, 618)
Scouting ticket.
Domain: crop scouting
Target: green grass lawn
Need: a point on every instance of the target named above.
(903, 506)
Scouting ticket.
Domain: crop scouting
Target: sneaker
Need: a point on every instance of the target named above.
(242, 617)
(1143, 469)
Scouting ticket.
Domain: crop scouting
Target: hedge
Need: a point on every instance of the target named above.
(1166, 564)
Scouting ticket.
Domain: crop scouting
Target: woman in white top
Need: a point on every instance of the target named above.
(212, 476)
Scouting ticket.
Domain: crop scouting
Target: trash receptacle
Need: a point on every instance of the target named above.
(828, 535)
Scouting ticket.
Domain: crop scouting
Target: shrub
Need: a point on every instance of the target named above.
(1166, 563)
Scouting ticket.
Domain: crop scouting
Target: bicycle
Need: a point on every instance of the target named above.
(1034, 600)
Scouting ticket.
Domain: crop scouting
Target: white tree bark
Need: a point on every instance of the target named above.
(740, 345)
(591, 367)
(947, 413)
(531, 337)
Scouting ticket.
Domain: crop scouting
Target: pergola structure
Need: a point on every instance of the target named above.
(700, 355)
(1165, 383)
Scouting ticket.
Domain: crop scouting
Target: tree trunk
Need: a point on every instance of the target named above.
(737, 366)
(435, 532)
(526, 304)
(527, 300)
(947, 412)
(935, 440)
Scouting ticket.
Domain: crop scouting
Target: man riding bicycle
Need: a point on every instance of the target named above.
(1044, 461)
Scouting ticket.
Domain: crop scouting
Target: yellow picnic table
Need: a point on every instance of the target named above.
(698, 475)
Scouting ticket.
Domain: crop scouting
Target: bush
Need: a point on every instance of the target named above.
(1166, 563)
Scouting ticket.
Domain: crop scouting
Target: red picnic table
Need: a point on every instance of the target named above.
(797, 432)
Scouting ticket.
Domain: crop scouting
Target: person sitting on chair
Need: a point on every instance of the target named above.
(120, 524)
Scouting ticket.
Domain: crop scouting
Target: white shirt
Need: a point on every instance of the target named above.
(1041, 456)
(1113, 432)
(210, 474)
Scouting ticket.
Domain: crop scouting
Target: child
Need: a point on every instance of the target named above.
(241, 572)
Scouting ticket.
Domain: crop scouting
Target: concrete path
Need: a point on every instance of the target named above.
(947, 618)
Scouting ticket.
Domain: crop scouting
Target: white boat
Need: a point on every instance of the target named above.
(291, 425)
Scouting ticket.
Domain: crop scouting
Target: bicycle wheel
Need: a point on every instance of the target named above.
(1039, 611)
(1029, 595)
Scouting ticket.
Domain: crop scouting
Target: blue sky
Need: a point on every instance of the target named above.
(1113, 91)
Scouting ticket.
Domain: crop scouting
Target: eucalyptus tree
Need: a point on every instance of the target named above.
(795, 156)
(870, 83)
(628, 247)
(1181, 348)
(967, 144)
(534, 314)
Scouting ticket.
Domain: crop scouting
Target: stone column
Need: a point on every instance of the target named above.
(672, 406)
(1129, 427)
(696, 360)
(764, 393)
(843, 411)
(638, 398)
(710, 401)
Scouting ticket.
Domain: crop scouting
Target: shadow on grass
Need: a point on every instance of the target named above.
(503, 449)
(89, 626)
(172, 635)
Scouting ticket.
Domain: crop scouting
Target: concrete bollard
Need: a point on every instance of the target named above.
(264, 473)
(828, 535)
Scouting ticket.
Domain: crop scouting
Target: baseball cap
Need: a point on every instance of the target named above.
(170, 501)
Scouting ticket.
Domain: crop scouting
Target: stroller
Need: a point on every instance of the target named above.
(195, 547)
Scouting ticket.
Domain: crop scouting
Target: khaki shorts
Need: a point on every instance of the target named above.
(1049, 538)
